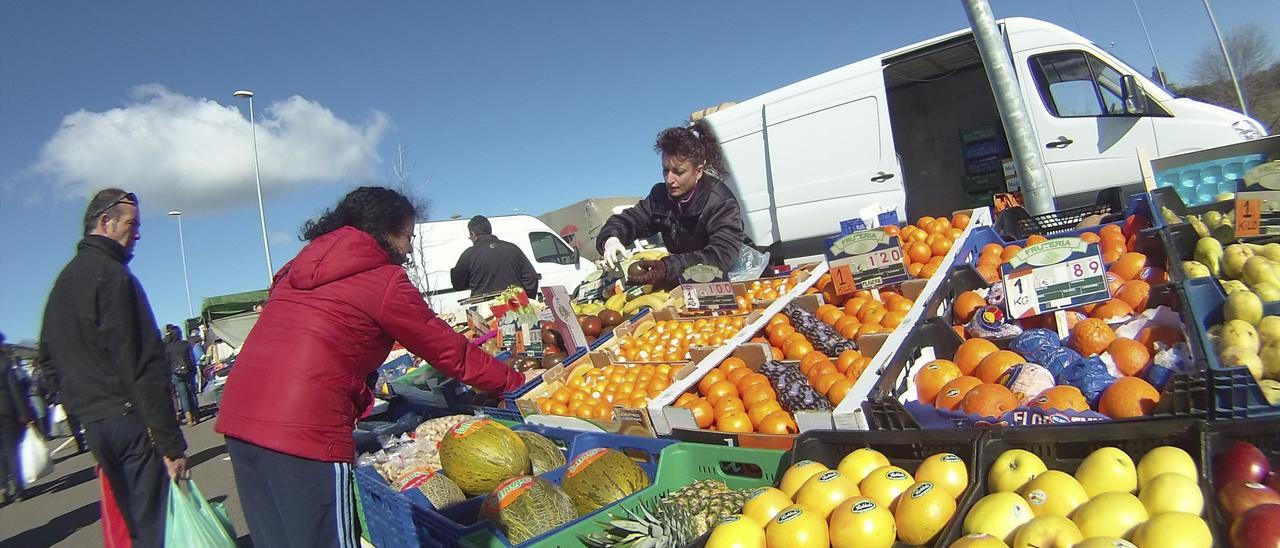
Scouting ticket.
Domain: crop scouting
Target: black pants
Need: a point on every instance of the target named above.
(137, 475)
(292, 502)
(10, 433)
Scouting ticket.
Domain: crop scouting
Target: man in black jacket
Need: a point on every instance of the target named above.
(491, 265)
(108, 362)
(15, 415)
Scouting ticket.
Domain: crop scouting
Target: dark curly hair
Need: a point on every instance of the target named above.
(697, 143)
(377, 211)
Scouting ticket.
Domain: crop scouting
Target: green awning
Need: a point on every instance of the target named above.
(221, 306)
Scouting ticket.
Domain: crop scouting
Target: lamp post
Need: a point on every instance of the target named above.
(262, 216)
(182, 245)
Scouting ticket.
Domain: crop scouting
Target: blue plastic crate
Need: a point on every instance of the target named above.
(1234, 391)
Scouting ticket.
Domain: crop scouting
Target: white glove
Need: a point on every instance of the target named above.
(614, 252)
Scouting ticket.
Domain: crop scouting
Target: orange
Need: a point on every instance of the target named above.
(684, 399)
(1110, 253)
(823, 385)
(1114, 308)
(924, 221)
(965, 305)
(1128, 397)
(544, 405)
(1135, 293)
(829, 295)
(952, 393)
(703, 413)
(959, 329)
(602, 411)
(873, 314)
(1089, 237)
(779, 318)
(992, 249)
(928, 270)
(792, 339)
(760, 411)
(893, 319)
(971, 353)
(829, 317)
(1035, 239)
(891, 230)
(854, 305)
(940, 247)
(777, 353)
(561, 395)
(898, 303)
(850, 331)
(713, 376)
(778, 333)
(1091, 337)
(559, 409)
(846, 359)
(1129, 265)
(778, 422)
(871, 328)
(839, 389)
(757, 394)
(1162, 334)
(731, 363)
(811, 359)
(1154, 275)
(1130, 356)
(729, 405)
(798, 350)
(845, 321)
(722, 389)
(989, 273)
(1009, 251)
(988, 400)
(955, 233)
(960, 220)
(822, 282)
(738, 374)
(996, 363)
(933, 376)
(734, 422)
(1062, 398)
(856, 369)
(1110, 229)
(919, 252)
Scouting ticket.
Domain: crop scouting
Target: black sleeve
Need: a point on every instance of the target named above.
(629, 224)
(190, 357)
(528, 275)
(460, 274)
(138, 357)
(49, 373)
(724, 228)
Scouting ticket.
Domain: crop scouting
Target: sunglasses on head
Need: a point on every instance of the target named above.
(128, 198)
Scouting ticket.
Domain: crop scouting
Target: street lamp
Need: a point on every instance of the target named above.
(262, 216)
(182, 245)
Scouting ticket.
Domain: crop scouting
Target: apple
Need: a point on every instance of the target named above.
(1172, 492)
(978, 540)
(1273, 480)
(1113, 514)
(1174, 530)
(999, 515)
(1163, 460)
(1104, 542)
(1258, 527)
(1054, 493)
(1048, 531)
(1013, 469)
(1107, 470)
(1241, 461)
(1237, 498)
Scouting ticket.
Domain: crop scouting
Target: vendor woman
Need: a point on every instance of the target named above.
(692, 208)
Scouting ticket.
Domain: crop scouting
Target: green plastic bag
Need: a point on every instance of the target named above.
(194, 522)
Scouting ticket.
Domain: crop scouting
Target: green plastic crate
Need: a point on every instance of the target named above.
(679, 465)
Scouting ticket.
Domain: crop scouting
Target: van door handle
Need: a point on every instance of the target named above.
(1062, 142)
(882, 177)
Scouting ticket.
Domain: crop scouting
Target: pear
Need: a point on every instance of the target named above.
(1239, 333)
(1105, 470)
(1224, 197)
(1235, 356)
(1213, 218)
(1270, 356)
(1233, 259)
(1195, 269)
(1268, 292)
(1233, 286)
(1270, 390)
(1208, 252)
(1269, 329)
(1243, 305)
(1259, 269)
(1270, 251)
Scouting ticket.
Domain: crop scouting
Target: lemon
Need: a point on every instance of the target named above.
(923, 510)
(946, 470)
(799, 473)
(823, 492)
(797, 527)
(884, 484)
(862, 523)
(737, 531)
(860, 462)
(765, 503)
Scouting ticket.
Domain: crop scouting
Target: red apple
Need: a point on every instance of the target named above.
(1238, 498)
(1257, 528)
(1242, 461)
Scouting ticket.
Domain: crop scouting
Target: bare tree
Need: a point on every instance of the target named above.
(402, 178)
(1250, 51)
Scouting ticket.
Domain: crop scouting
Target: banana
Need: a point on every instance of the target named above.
(653, 300)
(616, 302)
(592, 308)
(650, 255)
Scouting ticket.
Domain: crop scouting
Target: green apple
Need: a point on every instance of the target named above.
(1243, 305)
(1105, 470)
(1047, 532)
(1174, 530)
(978, 540)
(1172, 492)
(998, 515)
(1241, 334)
(1113, 514)
(860, 462)
(1104, 542)
(1013, 469)
(1162, 460)
(1054, 493)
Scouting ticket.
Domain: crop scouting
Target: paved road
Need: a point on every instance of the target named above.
(62, 508)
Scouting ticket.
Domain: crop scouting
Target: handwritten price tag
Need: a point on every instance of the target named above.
(1248, 217)
(1055, 275)
(865, 259)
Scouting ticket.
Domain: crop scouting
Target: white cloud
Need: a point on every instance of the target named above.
(195, 154)
(281, 238)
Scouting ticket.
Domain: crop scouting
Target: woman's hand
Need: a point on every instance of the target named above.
(614, 253)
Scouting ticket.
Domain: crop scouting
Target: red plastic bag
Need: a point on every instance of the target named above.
(115, 533)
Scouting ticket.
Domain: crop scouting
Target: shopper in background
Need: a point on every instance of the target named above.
(50, 386)
(695, 212)
(300, 382)
(182, 369)
(15, 415)
(491, 265)
(108, 360)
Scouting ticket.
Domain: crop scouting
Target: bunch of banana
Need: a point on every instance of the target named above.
(652, 300)
(588, 308)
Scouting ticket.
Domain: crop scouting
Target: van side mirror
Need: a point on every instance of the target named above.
(1135, 100)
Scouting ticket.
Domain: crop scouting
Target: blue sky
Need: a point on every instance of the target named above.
(502, 105)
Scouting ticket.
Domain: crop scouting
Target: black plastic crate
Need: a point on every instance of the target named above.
(1235, 393)
(1064, 448)
(1017, 224)
(1181, 241)
(1263, 433)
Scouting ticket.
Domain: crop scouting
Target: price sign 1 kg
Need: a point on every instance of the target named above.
(865, 260)
(1054, 275)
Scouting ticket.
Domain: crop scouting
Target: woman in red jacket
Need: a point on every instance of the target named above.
(298, 385)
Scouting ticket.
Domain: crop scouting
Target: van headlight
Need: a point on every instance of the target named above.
(1248, 129)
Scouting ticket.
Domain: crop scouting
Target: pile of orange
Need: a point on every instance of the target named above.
(734, 398)
(834, 378)
(1115, 246)
(670, 340)
(926, 242)
(860, 313)
(593, 394)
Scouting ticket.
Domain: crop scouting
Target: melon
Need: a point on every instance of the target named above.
(543, 453)
(480, 453)
(524, 507)
(438, 488)
(600, 477)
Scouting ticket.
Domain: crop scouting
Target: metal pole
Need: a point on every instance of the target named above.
(1159, 73)
(1230, 69)
(1013, 111)
(182, 245)
(257, 178)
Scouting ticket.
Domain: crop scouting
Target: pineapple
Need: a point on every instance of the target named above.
(678, 519)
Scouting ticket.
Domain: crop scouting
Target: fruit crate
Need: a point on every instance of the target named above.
(1167, 198)
(407, 519)
(679, 465)
(1263, 433)
(1181, 242)
(1064, 448)
(1017, 224)
(1235, 393)
(904, 449)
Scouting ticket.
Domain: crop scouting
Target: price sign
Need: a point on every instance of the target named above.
(1055, 275)
(566, 322)
(1248, 217)
(709, 296)
(865, 260)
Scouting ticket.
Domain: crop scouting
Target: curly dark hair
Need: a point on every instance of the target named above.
(377, 211)
(697, 143)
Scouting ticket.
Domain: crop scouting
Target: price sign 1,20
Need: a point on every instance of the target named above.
(1054, 275)
(866, 259)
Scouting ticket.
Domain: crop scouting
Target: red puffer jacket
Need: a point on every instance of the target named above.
(331, 318)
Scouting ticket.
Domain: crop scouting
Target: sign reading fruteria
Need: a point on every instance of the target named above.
(1054, 275)
(866, 259)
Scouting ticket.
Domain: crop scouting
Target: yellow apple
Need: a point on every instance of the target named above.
(1013, 469)
(1104, 542)
(998, 515)
(1174, 530)
(1107, 470)
(1163, 460)
(860, 462)
(1113, 514)
(1047, 532)
(1054, 493)
(978, 540)
(1172, 492)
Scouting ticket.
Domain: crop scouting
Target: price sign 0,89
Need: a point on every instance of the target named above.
(1054, 275)
(865, 260)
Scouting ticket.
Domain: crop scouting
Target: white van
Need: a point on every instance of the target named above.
(888, 130)
(439, 244)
